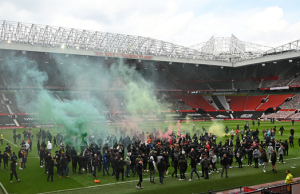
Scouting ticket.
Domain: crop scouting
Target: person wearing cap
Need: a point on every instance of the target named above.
(139, 170)
(289, 177)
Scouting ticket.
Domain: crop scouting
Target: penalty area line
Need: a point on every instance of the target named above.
(3, 188)
(11, 142)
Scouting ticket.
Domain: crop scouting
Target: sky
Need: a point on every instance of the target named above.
(183, 22)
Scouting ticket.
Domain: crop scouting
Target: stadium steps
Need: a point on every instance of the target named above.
(224, 102)
(186, 100)
(282, 74)
(274, 101)
(252, 102)
(96, 105)
(218, 103)
(290, 82)
(58, 97)
(261, 82)
(245, 102)
(262, 103)
(209, 86)
(213, 104)
(201, 101)
(16, 122)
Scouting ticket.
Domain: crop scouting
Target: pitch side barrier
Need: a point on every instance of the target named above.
(293, 188)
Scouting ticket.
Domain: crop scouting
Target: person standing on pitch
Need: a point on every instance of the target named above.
(280, 152)
(194, 167)
(50, 166)
(291, 140)
(161, 167)
(139, 170)
(13, 171)
(94, 164)
(152, 169)
(273, 160)
(225, 162)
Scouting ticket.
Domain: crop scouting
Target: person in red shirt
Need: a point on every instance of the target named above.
(207, 146)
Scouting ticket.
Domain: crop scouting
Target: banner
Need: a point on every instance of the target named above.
(280, 88)
(16, 127)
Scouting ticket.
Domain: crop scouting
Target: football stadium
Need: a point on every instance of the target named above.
(89, 111)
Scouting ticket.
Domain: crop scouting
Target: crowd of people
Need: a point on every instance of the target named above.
(138, 154)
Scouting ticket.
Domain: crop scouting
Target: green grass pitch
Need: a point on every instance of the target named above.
(33, 179)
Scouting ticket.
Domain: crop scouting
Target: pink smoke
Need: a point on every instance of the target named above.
(179, 129)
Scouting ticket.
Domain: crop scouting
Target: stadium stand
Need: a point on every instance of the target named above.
(176, 104)
(246, 85)
(13, 105)
(237, 102)
(292, 104)
(253, 102)
(218, 103)
(223, 101)
(279, 114)
(201, 101)
(274, 101)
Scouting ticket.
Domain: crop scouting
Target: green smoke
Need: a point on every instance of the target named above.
(87, 74)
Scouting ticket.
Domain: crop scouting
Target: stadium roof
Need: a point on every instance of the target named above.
(219, 51)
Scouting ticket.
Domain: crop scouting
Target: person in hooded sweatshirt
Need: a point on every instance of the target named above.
(161, 167)
(139, 170)
(128, 162)
(105, 164)
(152, 169)
(50, 166)
(182, 168)
(120, 168)
(49, 146)
(175, 165)
(13, 171)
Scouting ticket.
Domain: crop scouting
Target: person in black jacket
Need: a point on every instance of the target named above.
(5, 160)
(63, 165)
(194, 167)
(161, 167)
(205, 165)
(182, 168)
(80, 159)
(99, 154)
(38, 145)
(175, 165)
(225, 162)
(94, 164)
(74, 162)
(48, 158)
(13, 171)
(139, 170)
(273, 160)
(120, 168)
(50, 166)
(133, 164)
